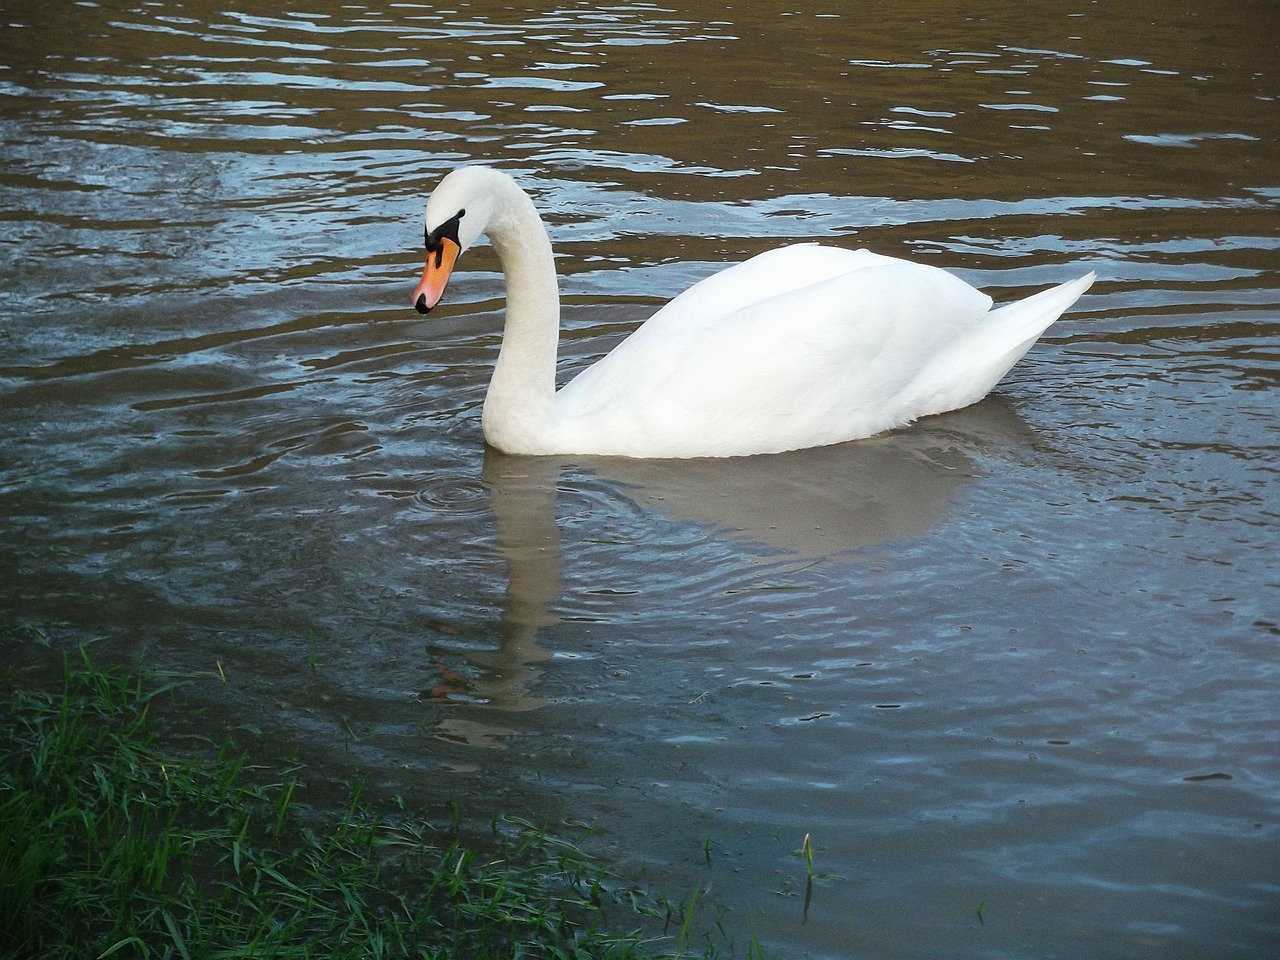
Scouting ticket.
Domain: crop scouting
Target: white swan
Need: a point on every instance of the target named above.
(798, 347)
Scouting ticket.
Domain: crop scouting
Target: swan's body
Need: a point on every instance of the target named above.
(798, 347)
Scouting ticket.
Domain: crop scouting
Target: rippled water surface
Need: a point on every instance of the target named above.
(1013, 670)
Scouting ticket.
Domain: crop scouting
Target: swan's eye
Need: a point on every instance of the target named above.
(431, 238)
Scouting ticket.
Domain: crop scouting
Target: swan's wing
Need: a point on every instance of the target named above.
(812, 364)
(766, 275)
(721, 305)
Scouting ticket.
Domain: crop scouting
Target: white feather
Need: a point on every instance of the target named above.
(798, 347)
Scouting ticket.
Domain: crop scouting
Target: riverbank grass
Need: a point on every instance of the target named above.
(112, 846)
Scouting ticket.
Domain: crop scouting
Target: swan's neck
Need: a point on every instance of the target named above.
(519, 410)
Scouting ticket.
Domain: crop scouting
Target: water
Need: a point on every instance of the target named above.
(1013, 670)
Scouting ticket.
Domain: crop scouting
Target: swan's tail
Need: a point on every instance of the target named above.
(1027, 319)
(968, 369)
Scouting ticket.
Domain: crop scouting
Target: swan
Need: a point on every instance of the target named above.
(801, 346)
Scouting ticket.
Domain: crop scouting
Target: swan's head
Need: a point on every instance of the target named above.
(457, 212)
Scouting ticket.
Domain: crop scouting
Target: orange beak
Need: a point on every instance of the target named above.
(435, 275)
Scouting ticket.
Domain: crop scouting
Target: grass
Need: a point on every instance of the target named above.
(112, 847)
(807, 850)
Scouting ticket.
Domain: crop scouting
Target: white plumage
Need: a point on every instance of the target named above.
(801, 346)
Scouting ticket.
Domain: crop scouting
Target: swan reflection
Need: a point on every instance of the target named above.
(806, 506)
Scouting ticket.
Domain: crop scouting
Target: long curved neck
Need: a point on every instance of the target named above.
(519, 410)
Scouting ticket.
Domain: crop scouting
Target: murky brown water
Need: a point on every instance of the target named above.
(1022, 657)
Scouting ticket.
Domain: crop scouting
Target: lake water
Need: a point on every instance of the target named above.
(1013, 670)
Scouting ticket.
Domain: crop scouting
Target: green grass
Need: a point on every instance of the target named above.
(112, 847)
